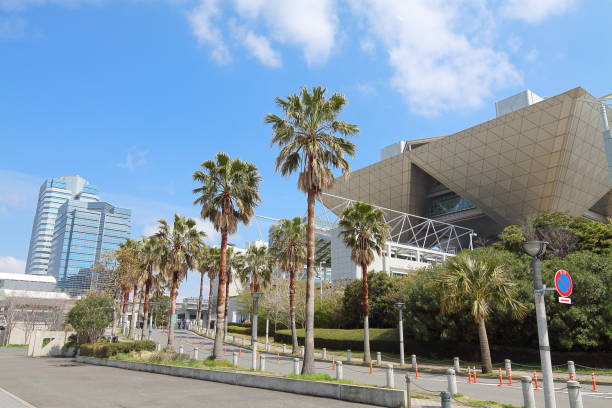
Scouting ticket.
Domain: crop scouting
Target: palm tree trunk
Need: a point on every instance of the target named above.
(308, 368)
(146, 306)
(133, 322)
(172, 310)
(227, 283)
(366, 312)
(219, 339)
(485, 353)
(114, 317)
(210, 304)
(126, 299)
(199, 314)
(294, 340)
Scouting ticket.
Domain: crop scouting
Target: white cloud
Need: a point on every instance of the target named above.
(9, 264)
(533, 11)
(12, 27)
(308, 24)
(532, 55)
(208, 34)
(133, 159)
(367, 45)
(514, 43)
(440, 58)
(260, 48)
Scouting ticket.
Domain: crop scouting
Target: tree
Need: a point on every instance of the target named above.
(201, 260)
(232, 258)
(482, 282)
(179, 245)
(306, 136)
(364, 231)
(228, 195)
(150, 258)
(288, 250)
(90, 316)
(213, 259)
(130, 266)
(256, 269)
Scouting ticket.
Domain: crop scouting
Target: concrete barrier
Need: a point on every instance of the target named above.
(345, 392)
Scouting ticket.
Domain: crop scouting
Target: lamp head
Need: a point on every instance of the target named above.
(256, 295)
(399, 304)
(534, 248)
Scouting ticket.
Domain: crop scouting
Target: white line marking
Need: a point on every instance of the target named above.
(16, 398)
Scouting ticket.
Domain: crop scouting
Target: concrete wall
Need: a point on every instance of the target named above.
(53, 348)
(353, 393)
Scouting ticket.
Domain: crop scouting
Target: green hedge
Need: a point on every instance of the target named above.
(106, 350)
(383, 340)
(239, 329)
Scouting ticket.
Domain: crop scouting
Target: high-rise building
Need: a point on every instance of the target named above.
(84, 231)
(72, 229)
(53, 193)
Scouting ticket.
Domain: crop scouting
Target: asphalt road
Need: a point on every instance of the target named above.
(63, 383)
(486, 389)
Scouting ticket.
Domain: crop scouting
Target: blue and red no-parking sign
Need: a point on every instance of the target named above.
(563, 283)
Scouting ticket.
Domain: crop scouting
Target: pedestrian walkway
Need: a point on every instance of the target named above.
(8, 400)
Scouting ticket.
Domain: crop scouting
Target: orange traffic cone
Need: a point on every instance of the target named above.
(416, 370)
(510, 377)
(500, 378)
(594, 383)
(469, 375)
(535, 378)
(277, 356)
(333, 364)
(371, 372)
(474, 371)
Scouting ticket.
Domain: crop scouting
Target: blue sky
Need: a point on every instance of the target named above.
(133, 95)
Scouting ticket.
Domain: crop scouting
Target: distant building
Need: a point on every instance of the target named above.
(29, 286)
(53, 193)
(72, 228)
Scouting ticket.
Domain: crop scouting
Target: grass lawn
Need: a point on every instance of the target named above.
(14, 346)
(347, 334)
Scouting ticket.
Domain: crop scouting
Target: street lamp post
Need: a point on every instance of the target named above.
(267, 325)
(400, 305)
(535, 249)
(255, 296)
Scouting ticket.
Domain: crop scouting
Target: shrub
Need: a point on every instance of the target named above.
(106, 350)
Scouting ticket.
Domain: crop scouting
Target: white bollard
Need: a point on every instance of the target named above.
(181, 349)
(339, 375)
(302, 351)
(296, 366)
(451, 379)
(268, 347)
(254, 357)
(508, 364)
(414, 362)
(158, 347)
(574, 395)
(572, 370)
(390, 382)
(378, 358)
(456, 365)
(195, 353)
(284, 348)
(235, 359)
(528, 398)
(234, 339)
(262, 363)
(348, 355)
(324, 353)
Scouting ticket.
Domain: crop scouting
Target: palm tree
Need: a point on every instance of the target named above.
(213, 259)
(232, 259)
(130, 266)
(150, 256)
(179, 244)
(202, 266)
(255, 269)
(364, 231)
(228, 195)
(306, 136)
(288, 250)
(480, 282)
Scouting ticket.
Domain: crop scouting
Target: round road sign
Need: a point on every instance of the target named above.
(563, 283)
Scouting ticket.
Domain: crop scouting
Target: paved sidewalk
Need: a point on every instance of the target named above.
(8, 400)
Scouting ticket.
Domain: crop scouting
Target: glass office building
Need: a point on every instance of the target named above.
(53, 193)
(75, 229)
(83, 231)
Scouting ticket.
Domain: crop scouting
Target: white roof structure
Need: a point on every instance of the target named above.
(27, 278)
